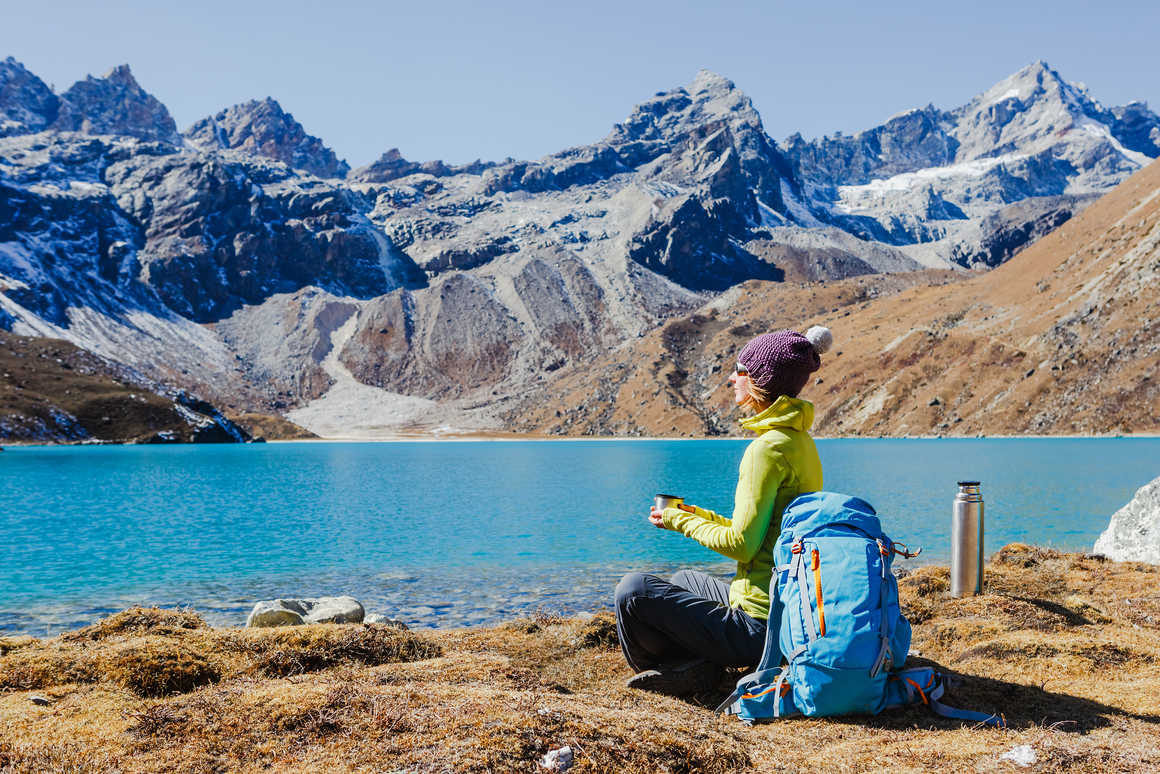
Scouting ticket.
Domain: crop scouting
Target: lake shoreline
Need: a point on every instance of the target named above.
(516, 438)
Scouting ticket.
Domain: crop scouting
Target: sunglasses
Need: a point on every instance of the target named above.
(741, 370)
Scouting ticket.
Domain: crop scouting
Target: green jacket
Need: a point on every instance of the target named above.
(778, 465)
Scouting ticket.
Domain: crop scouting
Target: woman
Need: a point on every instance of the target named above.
(679, 635)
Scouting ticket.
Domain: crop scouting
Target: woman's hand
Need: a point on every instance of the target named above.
(656, 518)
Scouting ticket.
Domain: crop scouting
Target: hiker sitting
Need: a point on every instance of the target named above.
(680, 634)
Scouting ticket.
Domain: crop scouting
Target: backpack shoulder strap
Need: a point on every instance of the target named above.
(960, 714)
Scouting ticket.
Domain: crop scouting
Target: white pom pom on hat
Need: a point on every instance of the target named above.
(821, 337)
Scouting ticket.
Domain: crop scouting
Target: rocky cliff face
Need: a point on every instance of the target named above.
(262, 128)
(219, 233)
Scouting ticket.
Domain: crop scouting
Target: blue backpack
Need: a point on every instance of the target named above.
(835, 621)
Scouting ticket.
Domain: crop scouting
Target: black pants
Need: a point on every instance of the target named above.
(661, 621)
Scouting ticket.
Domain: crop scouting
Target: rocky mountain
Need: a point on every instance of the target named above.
(925, 178)
(262, 128)
(413, 296)
(1062, 339)
(115, 104)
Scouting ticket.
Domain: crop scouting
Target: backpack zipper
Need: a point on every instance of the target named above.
(816, 561)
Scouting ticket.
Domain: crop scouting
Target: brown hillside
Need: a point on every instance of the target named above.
(53, 391)
(50, 390)
(1062, 339)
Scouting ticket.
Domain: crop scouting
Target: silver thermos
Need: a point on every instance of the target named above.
(967, 541)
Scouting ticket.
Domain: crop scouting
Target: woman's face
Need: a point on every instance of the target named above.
(740, 381)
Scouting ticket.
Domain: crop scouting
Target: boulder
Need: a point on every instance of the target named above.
(294, 612)
(1133, 534)
(276, 612)
(334, 610)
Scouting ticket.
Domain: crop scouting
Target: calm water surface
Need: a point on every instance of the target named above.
(450, 533)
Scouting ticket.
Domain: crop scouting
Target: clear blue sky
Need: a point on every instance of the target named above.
(465, 80)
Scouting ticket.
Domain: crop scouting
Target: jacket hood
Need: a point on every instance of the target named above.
(794, 413)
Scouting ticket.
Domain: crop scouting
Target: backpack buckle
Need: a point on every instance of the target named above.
(906, 552)
(796, 547)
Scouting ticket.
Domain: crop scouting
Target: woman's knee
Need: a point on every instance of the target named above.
(631, 586)
(686, 579)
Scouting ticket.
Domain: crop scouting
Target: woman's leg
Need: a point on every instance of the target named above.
(660, 622)
(702, 584)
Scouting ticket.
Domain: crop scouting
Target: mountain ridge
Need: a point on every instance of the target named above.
(216, 261)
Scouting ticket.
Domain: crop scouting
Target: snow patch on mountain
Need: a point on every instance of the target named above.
(868, 197)
(351, 410)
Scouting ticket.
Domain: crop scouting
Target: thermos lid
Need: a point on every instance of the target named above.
(968, 483)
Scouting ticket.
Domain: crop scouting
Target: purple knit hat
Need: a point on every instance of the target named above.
(781, 362)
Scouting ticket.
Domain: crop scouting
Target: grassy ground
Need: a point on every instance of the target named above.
(1066, 647)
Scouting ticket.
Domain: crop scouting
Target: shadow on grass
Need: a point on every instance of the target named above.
(1072, 617)
(1021, 706)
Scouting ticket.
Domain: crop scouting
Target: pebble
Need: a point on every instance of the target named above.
(560, 759)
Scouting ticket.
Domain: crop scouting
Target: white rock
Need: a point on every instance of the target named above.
(334, 610)
(275, 612)
(558, 760)
(1133, 534)
(294, 612)
(1023, 755)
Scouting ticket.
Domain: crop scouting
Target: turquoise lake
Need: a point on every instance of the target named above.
(452, 533)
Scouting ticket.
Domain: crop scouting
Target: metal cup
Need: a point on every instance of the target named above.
(662, 501)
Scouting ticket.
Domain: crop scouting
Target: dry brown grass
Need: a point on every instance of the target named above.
(1067, 647)
(271, 427)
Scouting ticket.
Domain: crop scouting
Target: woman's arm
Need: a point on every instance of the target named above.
(762, 472)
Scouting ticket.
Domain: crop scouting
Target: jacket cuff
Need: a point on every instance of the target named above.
(674, 516)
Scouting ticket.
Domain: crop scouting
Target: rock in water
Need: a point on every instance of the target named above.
(1133, 535)
(295, 612)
